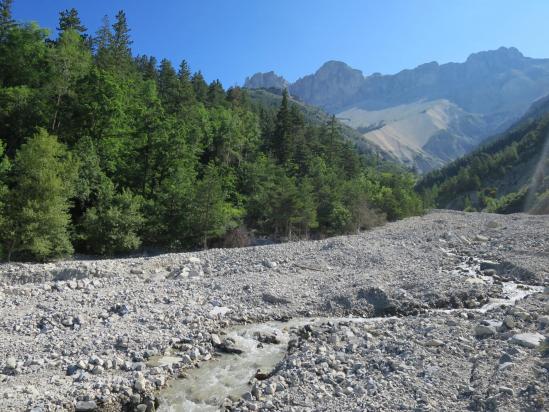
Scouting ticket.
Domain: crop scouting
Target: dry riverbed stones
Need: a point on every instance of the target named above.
(96, 335)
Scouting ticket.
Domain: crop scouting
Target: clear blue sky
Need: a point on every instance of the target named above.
(230, 39)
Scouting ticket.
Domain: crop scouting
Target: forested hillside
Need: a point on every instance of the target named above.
(272, 98)
(105, 153)
(508, 174)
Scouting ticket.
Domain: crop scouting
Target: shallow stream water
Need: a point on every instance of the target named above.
(206, 388)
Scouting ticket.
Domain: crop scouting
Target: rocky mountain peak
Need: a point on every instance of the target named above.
(266, 80)
(335, 67)
(504, 56)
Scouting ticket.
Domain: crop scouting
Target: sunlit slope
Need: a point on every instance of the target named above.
(510, 173)
(434, 131)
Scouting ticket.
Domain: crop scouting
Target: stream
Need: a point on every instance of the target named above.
(205, 388)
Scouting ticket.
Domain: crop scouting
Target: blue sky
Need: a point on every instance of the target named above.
(230, 39)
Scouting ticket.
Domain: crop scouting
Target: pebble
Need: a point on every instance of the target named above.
(85, 406)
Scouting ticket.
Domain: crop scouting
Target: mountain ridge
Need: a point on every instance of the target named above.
(495, 88)
(507, 173)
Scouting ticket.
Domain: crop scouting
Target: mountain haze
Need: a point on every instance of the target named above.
(508, 173)
(434, 113)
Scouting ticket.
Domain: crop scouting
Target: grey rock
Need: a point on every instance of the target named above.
(483, 331)
(528, 339)
(275, 300)
(140, 384)
(85, 406)
(543, 322)
(216, 340)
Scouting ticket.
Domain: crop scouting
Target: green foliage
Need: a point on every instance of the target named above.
(212, 215)
(69, 20)
(69, 61)
(37, 224)
(23, 56)
(111, 226)
(6, 19)
(4, 191)
(151, 157)
(498, 177)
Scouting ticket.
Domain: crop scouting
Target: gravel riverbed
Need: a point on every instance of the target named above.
(111, 335)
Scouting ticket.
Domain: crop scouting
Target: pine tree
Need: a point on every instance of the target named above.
(212, 216)
(4, 191)
(37, 215)
(283, 138)
(169, 86)
(147, 67)
(200, 87)
(186, 85)
(102, 43)
(121, 41)
(6, 18)
(111, 226)
(184, 72)
(69, 19)
(216, 94)
(70, 61)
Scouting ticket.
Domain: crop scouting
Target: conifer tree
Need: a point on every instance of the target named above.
(69, 19)
(70, 61)
(102, 43)
(169, 89)
(121, 41)
(4, 192)
(184, 72)
(147, 67)
(213, 215)
(111, 226)
(216, 94)
(200, 87)
(186, 86)
(6, 18)
(287, 121)
(37, 215)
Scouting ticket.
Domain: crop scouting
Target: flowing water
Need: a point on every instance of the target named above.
(205, 388)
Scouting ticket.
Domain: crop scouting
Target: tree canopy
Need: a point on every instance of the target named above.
(107, 153)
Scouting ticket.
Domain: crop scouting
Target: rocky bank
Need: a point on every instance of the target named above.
(112, 334)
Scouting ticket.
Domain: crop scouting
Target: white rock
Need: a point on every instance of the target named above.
(140, 384)
(216, 340)
(528, 339)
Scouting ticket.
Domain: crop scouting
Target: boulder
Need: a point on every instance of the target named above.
(274, 300)
(483, 331)
(528, 339)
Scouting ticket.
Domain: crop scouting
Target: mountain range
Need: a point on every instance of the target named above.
(430, 115)
(507, 173)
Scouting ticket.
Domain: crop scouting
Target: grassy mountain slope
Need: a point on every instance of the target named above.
(509, 173)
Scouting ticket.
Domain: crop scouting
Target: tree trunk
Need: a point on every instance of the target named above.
(10, 249)
(56, 112)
